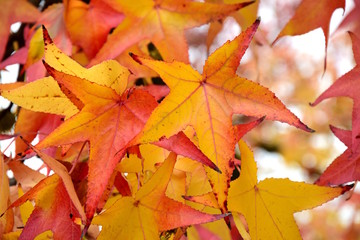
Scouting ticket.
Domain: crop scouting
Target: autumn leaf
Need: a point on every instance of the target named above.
(101, 112)
(268, 206)
(311, 15)
(347, 86)
(52, 206)
(149, 211)
(36, 96)
(198, 193)
(207, 102)
(109, 118)
(108, 121)
(345, 167)
(63, 173)
(161, 22)
(89, 24)
(39, 96)
(12, 12)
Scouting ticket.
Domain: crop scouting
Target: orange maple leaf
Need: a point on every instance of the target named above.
(109, 115)
(311, 15)
(89, 24)
(207, 102)
(163, 23)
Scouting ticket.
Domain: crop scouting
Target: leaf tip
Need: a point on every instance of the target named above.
(309, 129)
(48, 68)
(189, 198)
(217, 169)
(244, 4)
(46, 36)
(260, 119)
(213, 166)
(258, 19)
(256, 23)
(346, 188)
(135, 57)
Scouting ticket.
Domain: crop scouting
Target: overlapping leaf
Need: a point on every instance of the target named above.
(89, 24)
(346, 168)
(161, 22)
(12, 12)
(109, 117)
(150, 211)
(269, 205)
(310, 15)
(207, 102)
(108, 120)
(53, 211)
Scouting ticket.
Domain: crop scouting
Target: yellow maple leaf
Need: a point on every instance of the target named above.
(41, 96)
(269, 205)
(207, 102)
(149, 211)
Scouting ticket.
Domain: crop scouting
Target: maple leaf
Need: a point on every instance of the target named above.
(89, 24)
(149, 211)
(62, 172)
(345, 167)
(161, 22)
(102, 112)
(268, 206)
(348, 86)
(53, 211)
(311, 15)
(12, 12)
(109, 116)
(108, 121)
(207, 102)
(36, 96)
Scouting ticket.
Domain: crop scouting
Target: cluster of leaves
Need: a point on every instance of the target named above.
(152, 160)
